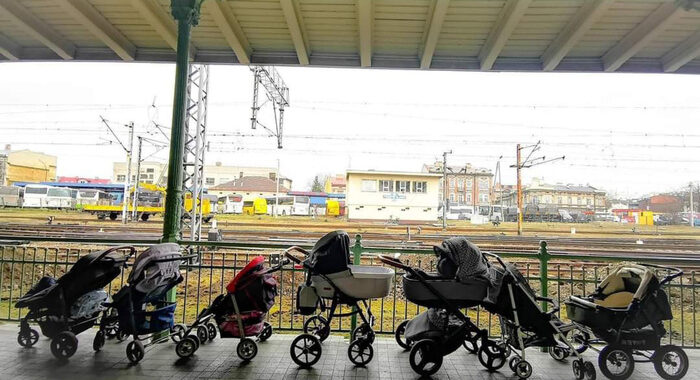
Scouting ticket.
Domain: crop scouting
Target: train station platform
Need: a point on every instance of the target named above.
(218, 360)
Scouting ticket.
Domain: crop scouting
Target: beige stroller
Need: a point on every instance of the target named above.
(331, 277)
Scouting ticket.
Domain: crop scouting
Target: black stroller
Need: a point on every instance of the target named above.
(461, 281)
(626, 314)
(66, 307)
(141, 308)
(240, 313)
(332, 277)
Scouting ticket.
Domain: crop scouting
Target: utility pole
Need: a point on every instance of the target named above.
(277, 193)
(444, 189)
(692, 211)
(134, 213)
(125, 202)
(277, 93)
(520, 192)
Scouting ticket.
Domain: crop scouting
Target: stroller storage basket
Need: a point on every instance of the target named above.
(253, 323)
(459, 294)
(148, 322)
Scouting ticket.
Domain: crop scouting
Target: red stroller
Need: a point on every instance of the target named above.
(240, 313)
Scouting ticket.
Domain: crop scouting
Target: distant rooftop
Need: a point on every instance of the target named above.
(252, 183)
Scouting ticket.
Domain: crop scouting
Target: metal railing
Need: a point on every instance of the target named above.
(555, 275)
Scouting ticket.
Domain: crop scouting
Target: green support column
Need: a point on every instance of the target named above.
(356, 256)
(543, 255)
(186, 12)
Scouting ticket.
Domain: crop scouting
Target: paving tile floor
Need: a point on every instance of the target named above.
(218, 360)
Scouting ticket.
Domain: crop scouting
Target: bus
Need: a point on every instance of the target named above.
(10, 196)
(35, 195)
(94, 197)
(60, 197)
(231, 204)
(289, 205)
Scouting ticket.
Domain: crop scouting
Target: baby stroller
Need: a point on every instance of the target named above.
(331, 277)
(524, 324)
(240, 313)
(626, 314)
(66, 307)
(141, 310)
(462, 281)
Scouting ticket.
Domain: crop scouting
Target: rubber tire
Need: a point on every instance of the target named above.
(400, 337)
(177, 332)
(558, 353)
(491, 352)
(196, 340)
(202, 334)
(603, 362)
(310, 343)
(99, 340)
(471, 344)
(64, 345)
(363, 331)
(419, 348)
(658, 357)
(135, 351)
(523, 369)
(512, 362)
(185, 348)
(212, 331)
(577, 368)
(357, 351)
(247, 349)
(121, 335)
(28, 338)
(322, 332)
(266, 332)
(589, 371)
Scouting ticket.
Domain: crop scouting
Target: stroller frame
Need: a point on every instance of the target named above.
(65, 343)
(468, 332)
(641, 351)
(206, 330)
(317, 328)
(582, 369)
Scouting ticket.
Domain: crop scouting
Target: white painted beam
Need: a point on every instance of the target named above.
(685, 52)
(162, 22)
(37, 28)
(583, 20)
(365, 19)
(439, 12)
(641, 35)
(9, 49)
(506, 23)
(92, 20)
(228, 24)
(295, 30)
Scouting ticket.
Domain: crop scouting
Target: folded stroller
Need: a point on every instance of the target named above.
(331, 277)
(141, 309)
(240, 313)
(462, 281)
(66, 307)
(524, 324)
(626, 314)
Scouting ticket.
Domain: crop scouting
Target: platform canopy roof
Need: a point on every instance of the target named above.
(520, 35)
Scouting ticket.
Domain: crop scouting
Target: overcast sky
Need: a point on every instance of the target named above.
(628, 134)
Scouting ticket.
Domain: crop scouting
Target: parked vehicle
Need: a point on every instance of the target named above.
(11, 196)
(35, 195)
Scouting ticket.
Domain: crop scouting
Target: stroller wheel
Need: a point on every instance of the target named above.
(363, 331)
(27, 338)
(425, 357)
(211, 331)
(121, 335)
(512, 362)
(317, 325)
(492, 355)
(202, 334)
(589, 371)
(266, 332)
(523, 369)
(111, 330)
(400, 337)
(135, 351)
(360, 352)
(670, 362)
(558, 353)
(471, 343)
(616, 362)
(306, 350)
(177, 332)
(64, 345)
(247, 349)
(186, 347)
(99, 340)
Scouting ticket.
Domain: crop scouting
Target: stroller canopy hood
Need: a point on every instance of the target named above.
(331, 253)
(253, 266)
(459, 258)
(635, 279)
(156, 266)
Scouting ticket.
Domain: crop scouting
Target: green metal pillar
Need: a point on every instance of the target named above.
(544, 257)
(186, 12)
(356, 256)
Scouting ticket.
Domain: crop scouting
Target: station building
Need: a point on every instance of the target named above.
(466, 185)
(391, 195)
(573, 198)
(25, 166)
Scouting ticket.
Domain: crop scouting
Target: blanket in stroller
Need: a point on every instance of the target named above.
(461, 259)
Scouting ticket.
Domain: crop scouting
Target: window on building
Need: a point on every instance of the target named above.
(559, 200)
(588, 201)
(483, 183)
(469, 198)
(460, 184)
(420, 187)
(535, 199)
(460, 198)
(452, 197)
(483, 198)
(403, 186)
(470, 183)
(121, 178)
(150, 170)
(209, 181)
(386, 185)
(570, 201)
(369, 185)
(579, 201)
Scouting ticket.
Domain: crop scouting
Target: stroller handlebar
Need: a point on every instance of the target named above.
(498, 258)
(396, 263)
(675, 272)
(132, 251)
(296, 260)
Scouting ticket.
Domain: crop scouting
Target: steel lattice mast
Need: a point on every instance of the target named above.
(277, 92)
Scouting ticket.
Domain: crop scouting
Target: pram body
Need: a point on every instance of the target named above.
(240, 313)
(331, 278)
(626, 314)
(142, 311)
(73, 303)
